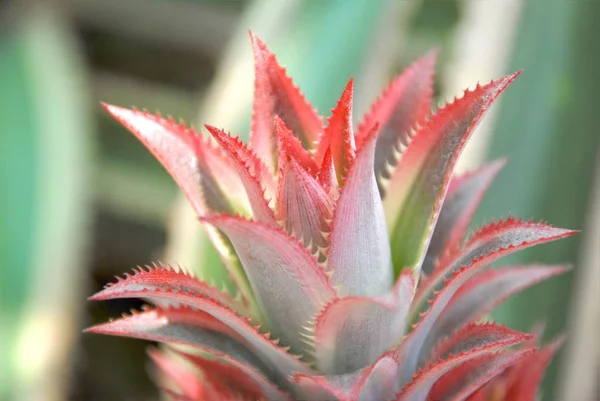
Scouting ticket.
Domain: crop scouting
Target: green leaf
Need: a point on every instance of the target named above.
(44, 161)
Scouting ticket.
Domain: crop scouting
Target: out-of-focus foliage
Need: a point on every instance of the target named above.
(548, 129)
(44, 160)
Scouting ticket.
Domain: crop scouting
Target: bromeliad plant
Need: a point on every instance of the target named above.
(354, 280)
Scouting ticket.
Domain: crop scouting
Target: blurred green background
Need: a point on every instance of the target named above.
(82, 201)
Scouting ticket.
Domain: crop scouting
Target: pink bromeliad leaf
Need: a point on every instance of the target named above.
(302, 204)
(276, 94)
(353, 332)
(326, 175)
(286, 279)
(525, 378)
(236, 377)
(521, 381)
(475, 335)
(507, 235)
(359, 254)
(186, 380)
(167, 278)
(175, 396)
(422, 383)
(201, 170)
(462, 381)
(253, 173)
(378, 381)
(338, 137)
(196, 382)
(289, 146)
(319, 388)
(487, 290)
(464, 195)
(419, 184)
(425, 334)
(183, 326)
(404, 104)
(210, 326)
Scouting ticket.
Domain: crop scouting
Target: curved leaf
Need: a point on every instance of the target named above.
(521, 381)
(276, 94)
(508, 235)
(185, 326)
(464, 195)
(302, 204)
(287, 281)
(289, 146)
(326, 175)
(404, 104)
(237, 377)
(352, 332)
(378, 381)
(201, 170)
(474, 336)
(359, 254)
(174, 396)
(418, 185)
(319, 387)
(211, 316)
(422, 383)
(424, 333)
(187, 381)
(462, 381)
(254, 175)
(338, 136)
(487, 290)
(166, 278)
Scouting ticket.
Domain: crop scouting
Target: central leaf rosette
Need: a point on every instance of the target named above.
(336, 240)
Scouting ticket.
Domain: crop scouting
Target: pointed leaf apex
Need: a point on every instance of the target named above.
(359, 251)
(326, 174)
(275, 93)
(494, 227)
(404, 104)
(338, 135)
(491, 170)
(112, 109)
(253, 173)
(429, 161)
(257, 43)
(371, 135)
(431, 56)
(288, 146)
(348, 92)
